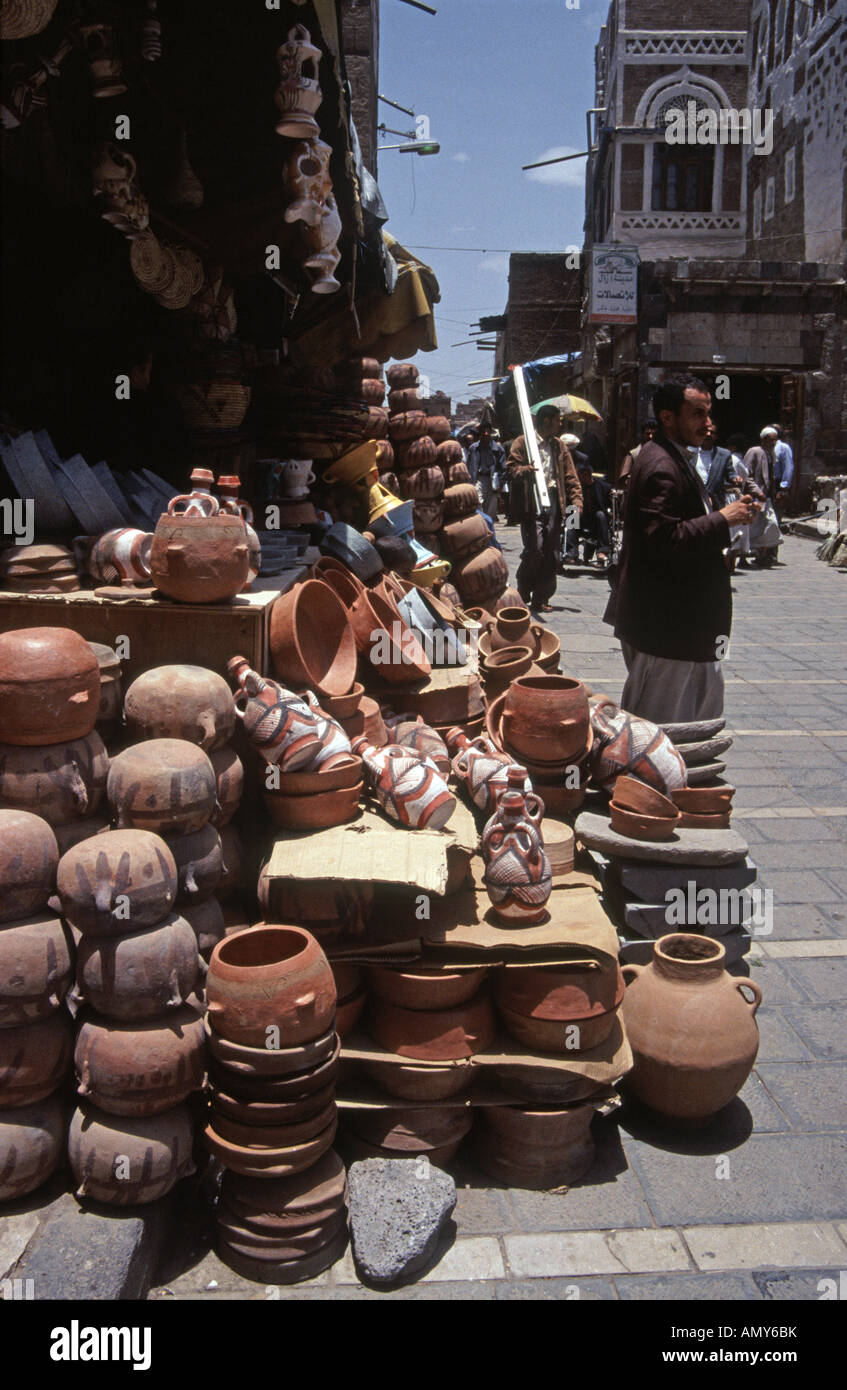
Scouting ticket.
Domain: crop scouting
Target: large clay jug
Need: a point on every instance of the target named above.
(187, 702)
(200, 559)
(281, 726)
(518, 877)
(49, 685)
(513, 627)
(408, 787)
(691, 1027)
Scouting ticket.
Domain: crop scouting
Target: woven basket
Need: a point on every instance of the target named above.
(149, 264)
(213, 405)
(20, 19)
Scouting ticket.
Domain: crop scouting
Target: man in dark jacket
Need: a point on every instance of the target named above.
(672, 604)
(715, 467)
(540, 528)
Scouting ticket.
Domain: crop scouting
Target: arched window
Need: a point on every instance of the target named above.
(682, 178)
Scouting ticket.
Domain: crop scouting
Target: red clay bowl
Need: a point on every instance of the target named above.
(637, 827)
(314, 810)
(311, 640)
(703, 801)
(690, 821)
(425, 989)
(634, 795)
(340, 776)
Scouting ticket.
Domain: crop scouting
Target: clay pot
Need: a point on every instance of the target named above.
(466, 537)
(641, 827)
(349, 1012)
(141, 975)
(111, 680)
(314, 810)
(691, 1027)
(36, 968)
(424, 483)
(373, 391)
(403, 398)
(478, 615)
(118, 882)
(327, 568)
(340, 775)
(633, 795)
(417, 453)
(293, 1131)
(165, 785)
(518, 878)
(301, 1199)
(428, 516)
(199, 864)
(143, 1066)
(688, 820)
(32, 1145)
(29, 856)
(545, 718)
(700, 801)
(482, 576)
(200, 559)
(513, 627)
(408, 1132)
(342, 581)
(536, 1149)
(430, 1082)
(343, 707)
(456, 473)
(259, 1115)
(67, 836)
(61, 782)
(233, 858)
(410, 731)
(49, 686)
(424, 989)
(265, 1271)
(187, 702)
(282, 1160)
(270, 978)
(283, 727)
(130, 1161)
(402, 374)
(229, 784)
(583, 996)
(549, 653)
(434, 1035)
(504, 666)
(394, 651)
(449, 452)
(311, 639)
(35, 1058)
(408, 425)
(234, 1234)
(460, 499)
(208, 923)
(244, 1071)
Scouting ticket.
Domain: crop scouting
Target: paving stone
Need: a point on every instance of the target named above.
(651, 882)
(822, 979)
(836, 879)
(759, 1245)
(582, 1290)
(776, 981)
(812, 1094)
(483, 1211)
(608, 1197)
(822, 1027)
(801, 921)
(797, 1286)
(396, 1216)
(474, 1257)
(83, 1254)
(778, 1042)
(693, 1288)
(793, 830)
(818, 854)
(773, 1177)
(16, 1232)
(700, 847)
(573, 1252)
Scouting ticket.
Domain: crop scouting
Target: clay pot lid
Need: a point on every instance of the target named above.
(260, 949)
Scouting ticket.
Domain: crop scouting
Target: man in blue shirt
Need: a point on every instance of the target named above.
(783, 471)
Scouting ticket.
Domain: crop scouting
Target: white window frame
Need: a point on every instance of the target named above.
(770, 198)
(757, 212)
(790, 175)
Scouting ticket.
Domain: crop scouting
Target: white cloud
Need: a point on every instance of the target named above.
(498, 263)
(461, 158)
(570, 174)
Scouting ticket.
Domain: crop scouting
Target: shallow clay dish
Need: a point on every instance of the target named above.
(342, 775)
(277, 1062)
(315, 810)
(259, 1113)
(343, 706)
(408, 1082)
(279, 1162)
(634, 795)
(435, 1035)
(639, 827)
(689, 820)
(703, 801)
(425, 989)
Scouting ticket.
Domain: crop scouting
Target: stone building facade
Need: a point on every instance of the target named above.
(360, 37)
(542, 315)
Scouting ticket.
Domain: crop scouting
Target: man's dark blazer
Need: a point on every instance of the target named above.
(721, 472)
(672, 597)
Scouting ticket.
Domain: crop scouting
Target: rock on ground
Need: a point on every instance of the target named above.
(398, 1207)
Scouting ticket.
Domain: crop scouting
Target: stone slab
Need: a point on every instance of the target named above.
(82, 1254)
(651, 882)
(813, 1094)
(710, 750)
(764, 1244)
(707, 848)
(822, 1027)
(687, 1287)
(651, 919)
(704, 775)
(16, 1232)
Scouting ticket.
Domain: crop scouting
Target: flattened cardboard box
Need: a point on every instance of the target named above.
(361, 1094)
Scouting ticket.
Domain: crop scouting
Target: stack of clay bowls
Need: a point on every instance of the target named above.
(38, 569)
(272, 1115)
(704, 808)
(333, 911)
(415, 451)
(512, 627)
(140, 1046)
(543, 723)
(194, 704)
(36, 971)
(539, 1148)
(53, 762)
(642, 813)
(565, 1009)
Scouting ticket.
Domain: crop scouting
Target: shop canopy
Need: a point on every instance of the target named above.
(546, 378)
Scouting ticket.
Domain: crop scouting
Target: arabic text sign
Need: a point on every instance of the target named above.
(614, 284)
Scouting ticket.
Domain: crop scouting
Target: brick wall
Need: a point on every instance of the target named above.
(543, 309)
(687, 14)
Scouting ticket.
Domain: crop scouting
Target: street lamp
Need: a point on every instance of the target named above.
(411, 144)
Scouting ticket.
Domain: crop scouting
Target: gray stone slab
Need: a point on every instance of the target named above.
(691, 1288)
(822, 1028)
(796, 1285)
(711, 848)
(710, 750)
(83, 1253)
(761, 1109)
(837, 879)
(773, 1177)
(397, 1214)
(823, 979)
(651, 882)
(576, 1290)
(651, 919)
(776, 983)
(705, 775)
(817, 854)
(793, 922)
(796, 886)
(483, 1211)
(812, 1094)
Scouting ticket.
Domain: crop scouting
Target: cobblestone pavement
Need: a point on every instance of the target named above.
(654, 1219)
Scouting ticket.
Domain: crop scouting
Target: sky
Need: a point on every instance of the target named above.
(503, 82)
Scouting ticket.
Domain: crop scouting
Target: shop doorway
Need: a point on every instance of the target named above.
(754, 401)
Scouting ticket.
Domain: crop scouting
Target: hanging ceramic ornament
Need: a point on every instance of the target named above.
(298, 95)
(306, 177)
(104, 63)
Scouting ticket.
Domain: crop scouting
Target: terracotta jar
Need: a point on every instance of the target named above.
(142, 1066)
(130, 1161)
(518, 877)
(428, 516)
(32, 1145)
(449, 452)
(513, 627)
(424, 989)
(35, 1058)
(456, 473)
(626, 743)
(405, 1133)
(141, 975)
(481, 578)
(311, 639)
(560, 1009)
(466, 536)
(200, 559)
(504, 666)
(403, 398)
(407, 786)
(416, 453)
(424, 483)
(534, 1148)
(199, 864)
(208, 923)
(61, 782)
(29, 856)
(270, 987)
(118, 882)
(545, 718)
(460, 499)
(482, 768)
(433, 1035)
(187, 702)
(408, 1082)
(165, 785)
(229, 784)
(409, 424)
(691, 1027)
(36, 968)
(402, 374)
(49, 686)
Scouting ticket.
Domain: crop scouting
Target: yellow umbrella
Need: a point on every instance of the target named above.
(570, 405)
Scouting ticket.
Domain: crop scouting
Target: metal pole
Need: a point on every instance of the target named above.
(542, 496)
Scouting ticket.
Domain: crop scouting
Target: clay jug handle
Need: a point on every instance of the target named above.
(190, 880)
(538, 633)
(635, 971)
(305, 1001)
(206, 725)
(78, 789)
(753, 1003)
(240, 709)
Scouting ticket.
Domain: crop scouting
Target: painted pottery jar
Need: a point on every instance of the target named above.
(415, 454)
(164, 785)
(450, 451)
(32, 1145)
(307, 180)
(626, 743)
(561, 1009)
(518, 877)
(200, 559)
(311, 641)
(61, 782)
(298, 95)
(186, 702)
(513, 627)
(229, 784)
(335, 745)
(535, 1149)
(482, 768)
(466, 536)
(130, 1161)
(545, 718)
(111, 695)
(200, 500)
(199, 863)
(35, 1058)
(282, 727)
(408, 787)
(49, 686)
(691, 1027)
(410, 731)
(118, 882)
(140, 975)
(208, 923)
(409, 424)
(424, 483)
(403, 398)
(433, 1035)
(36, 968)
(270, 987)
(460, 499)
(402, 374)
(121, 556)
(373, 391)
(29, 857)
(439, 428)
(482, 577)
(141, 1066)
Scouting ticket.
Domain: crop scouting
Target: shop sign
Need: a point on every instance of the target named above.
(613, 285)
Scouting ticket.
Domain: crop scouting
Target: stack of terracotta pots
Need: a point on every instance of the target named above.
(363, 377)
(511, 645)
(36, 971)
(140, 1045)
(272, 1116)
(479, 571)
(415, 450)
(541, 1147)
(194, 704)
(53, 762)
(542, 721)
